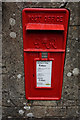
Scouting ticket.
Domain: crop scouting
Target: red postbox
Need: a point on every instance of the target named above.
(44, 45)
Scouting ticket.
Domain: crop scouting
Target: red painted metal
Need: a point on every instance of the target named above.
(38, 26)
(44, 30)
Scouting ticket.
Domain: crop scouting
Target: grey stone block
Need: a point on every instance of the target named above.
(56, 111)
(45, 103)
(74, 12)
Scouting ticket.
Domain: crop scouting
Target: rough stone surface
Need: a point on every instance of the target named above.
(30, 115)
(75, 71)
(21, 112)
(12, 21)
(0, 60)
(13, 34)
(15, 106)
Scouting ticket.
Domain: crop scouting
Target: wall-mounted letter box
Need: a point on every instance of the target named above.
(44, 44)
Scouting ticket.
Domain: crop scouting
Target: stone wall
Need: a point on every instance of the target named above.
(14, 103)
(0, 60)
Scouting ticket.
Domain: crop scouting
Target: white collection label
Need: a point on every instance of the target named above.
(43, 72)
